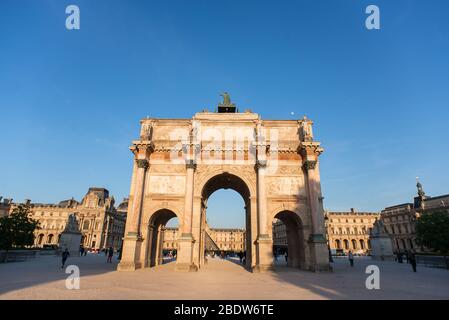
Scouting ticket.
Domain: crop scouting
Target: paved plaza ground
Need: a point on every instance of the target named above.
(42, 278)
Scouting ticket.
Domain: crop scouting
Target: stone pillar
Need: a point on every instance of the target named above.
(319, 250)
(264, 242)
(133, 237)
(184, 258)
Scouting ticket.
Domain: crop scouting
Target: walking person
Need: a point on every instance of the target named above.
(65, 254)
(351, 258)
(110, 254)
(412, 259)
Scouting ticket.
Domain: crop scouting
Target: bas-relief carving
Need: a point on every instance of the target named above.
(168, 168)
(167, 184)
(286, 185)
(289, 170)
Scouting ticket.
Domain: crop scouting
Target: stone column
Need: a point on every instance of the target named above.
(319, 250)
(184, 259)
(264, 242)
(133, 238)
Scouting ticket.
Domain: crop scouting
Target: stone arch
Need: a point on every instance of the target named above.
(40, 239)
(226, 179)
(295, 238)
(362, 244)
(354, 244)
(338, 244)
(50, 238)
(155, 236)
(346, 244)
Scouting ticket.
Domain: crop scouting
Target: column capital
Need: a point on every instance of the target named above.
(260, 164)
(142, 163)
(191, 164)
(309, 164)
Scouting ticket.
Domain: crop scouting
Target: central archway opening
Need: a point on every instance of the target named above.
(226, 220)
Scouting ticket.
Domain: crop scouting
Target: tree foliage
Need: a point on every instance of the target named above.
(17, 229)
(432, 231)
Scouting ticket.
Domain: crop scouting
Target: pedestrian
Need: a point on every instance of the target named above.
(412, 259)
(351, 258)
(286, 256)
(275, 254)
(399, 257)
(81, 251)
(241, 256)
(110, 254)
(407, 256)
(65, 254)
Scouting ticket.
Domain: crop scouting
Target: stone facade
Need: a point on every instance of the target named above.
(279, 235)
(400, 220)
(5, 206)
(179, 163)
(101, 224)
(350, 230)
(226, 239)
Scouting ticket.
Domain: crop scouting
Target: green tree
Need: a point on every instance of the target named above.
(432, 231)
(17, 229)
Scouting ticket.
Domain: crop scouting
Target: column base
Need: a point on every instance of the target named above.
(184, 267)
(130, 260)
(263, 268)
(319, 254)
(129, 266)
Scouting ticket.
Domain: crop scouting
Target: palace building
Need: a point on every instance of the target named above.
(221, 239)
(400, 220)
(350, 230)
(5, 206)
(101, 224)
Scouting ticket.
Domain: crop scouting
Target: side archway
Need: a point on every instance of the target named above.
(295, 238)
(155, 236)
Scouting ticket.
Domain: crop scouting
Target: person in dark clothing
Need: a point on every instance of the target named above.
(241, 256)
(110, 252)
(65, 254)
(400, 257)
(412, 259)
(351, 258)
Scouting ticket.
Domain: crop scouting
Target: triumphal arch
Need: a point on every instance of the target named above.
(272, 164)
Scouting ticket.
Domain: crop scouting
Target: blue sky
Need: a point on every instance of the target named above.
(71, 100)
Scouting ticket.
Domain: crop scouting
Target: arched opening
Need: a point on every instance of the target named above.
(362, 244)
(234, 241)
(403, 244)
(346, 244)
(354, 244)
(410, 242)
(40, 239)
(156, 234)
(292, 252)
(50, 239)
(338, 244)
